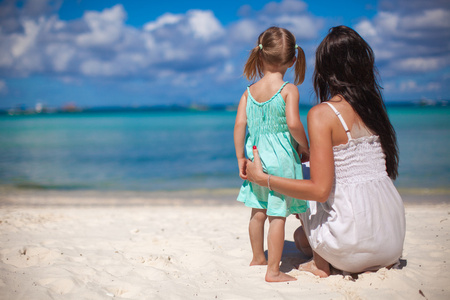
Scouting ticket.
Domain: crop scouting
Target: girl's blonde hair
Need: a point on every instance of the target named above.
(276, 46)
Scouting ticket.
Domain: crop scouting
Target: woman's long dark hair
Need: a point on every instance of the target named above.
(345, 65)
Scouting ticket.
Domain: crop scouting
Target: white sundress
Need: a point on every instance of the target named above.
(361, 227)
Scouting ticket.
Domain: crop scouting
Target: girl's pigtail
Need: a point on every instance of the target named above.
(252, 68)
(300, 66)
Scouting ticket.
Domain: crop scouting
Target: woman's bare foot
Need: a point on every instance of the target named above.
(258, 262)
(279, 277)
(311, 267)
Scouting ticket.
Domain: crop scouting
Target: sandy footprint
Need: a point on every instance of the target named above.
(126, 291)
(18, 221)
(29, 256)
(59, 286)
(158, 261)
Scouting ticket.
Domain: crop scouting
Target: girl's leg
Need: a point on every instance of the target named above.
(275, 241)
(256, 233)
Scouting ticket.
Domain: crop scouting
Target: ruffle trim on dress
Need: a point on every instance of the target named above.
(363, 139)
(359, 160)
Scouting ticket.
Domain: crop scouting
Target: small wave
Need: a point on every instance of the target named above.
(425, 191)
(40, 186)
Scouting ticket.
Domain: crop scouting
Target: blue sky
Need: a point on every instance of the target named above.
(138, 53)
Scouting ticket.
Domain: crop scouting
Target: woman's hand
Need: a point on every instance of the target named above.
(255, 172)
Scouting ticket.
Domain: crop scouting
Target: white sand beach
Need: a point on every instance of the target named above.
(74, 245)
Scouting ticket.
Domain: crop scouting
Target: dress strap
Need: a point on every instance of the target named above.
(282, 87)
(338, 114)
(250, 95)
(248, 91)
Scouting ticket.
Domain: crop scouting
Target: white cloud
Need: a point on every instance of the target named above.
(286, 6)
(100, 68)
(187, 49)
(61, 55)
(204, 24)
(387, 22)
(40, 7)
(409, 85)
(429, 19)
(419, 64)
(303, 27)
(366, 28)
(101, 44)
(106, 27)
(290, 14)
(23, 42)
(409, 41)
(412, 86)
(165, 19)
(244, 31)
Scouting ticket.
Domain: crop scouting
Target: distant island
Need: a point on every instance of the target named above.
(71, 108)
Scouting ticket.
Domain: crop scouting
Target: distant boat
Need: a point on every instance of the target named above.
(198, 107)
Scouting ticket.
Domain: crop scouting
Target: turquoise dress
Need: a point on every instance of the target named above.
(268, 130)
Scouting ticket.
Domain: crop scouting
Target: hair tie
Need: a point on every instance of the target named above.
(260, 46)
(296, 46)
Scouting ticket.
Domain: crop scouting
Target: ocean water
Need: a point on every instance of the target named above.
(150, 151)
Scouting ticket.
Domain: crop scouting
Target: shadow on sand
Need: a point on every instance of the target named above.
(292, 258)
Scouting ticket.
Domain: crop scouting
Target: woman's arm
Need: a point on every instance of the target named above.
(239, 135)
(318, 188)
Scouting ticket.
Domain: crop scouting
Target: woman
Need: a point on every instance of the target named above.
(356, 220)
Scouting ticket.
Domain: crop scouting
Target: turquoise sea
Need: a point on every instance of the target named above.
(150, 151)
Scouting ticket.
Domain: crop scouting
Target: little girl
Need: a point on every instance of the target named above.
(270, 109)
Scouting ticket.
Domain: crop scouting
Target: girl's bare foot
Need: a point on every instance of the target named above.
(311, 267)
(279, 277)
(258, 262)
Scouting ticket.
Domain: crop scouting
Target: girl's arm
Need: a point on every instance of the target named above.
(239, 135)
(293, 121)
(318, 188)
